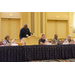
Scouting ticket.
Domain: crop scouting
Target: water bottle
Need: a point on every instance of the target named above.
(23, 42)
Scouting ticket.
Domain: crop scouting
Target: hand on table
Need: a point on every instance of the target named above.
(45, 41)
(71, 43)
(8, 44)
(57, 42)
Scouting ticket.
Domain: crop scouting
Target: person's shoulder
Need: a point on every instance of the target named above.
(39, 39)
(64, 39)
(27, 28)
(57, 39)
(44, 39)
(22, 28)
(4, 40)
(53, 39)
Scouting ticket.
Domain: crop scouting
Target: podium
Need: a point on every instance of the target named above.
(31, 40)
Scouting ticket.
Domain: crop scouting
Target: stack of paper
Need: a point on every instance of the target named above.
(48, 43)
(14, 44)
(65, 43)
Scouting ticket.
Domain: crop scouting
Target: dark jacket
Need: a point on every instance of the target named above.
(24, 32)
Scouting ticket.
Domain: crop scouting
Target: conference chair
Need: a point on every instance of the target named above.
(0, 43)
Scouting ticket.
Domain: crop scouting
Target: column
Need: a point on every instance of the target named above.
(0, 26)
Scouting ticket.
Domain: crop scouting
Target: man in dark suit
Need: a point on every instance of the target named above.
(24, 32)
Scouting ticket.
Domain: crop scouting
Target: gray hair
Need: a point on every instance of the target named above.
(25, 24)
(68, 36)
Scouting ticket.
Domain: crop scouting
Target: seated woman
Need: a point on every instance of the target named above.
(6, 41)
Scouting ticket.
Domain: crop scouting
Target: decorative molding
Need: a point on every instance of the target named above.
(57, 17)
(10, 15)
(41, 22)
(31, 40)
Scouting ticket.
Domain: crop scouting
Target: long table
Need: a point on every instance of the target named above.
(36, 52)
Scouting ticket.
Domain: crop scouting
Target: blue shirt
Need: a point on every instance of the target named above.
(24, 32)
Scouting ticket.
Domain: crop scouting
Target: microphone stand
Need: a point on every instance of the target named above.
(31, 33)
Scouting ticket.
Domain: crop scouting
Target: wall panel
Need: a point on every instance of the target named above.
(50, 29)
(4, 28)
(62, 28)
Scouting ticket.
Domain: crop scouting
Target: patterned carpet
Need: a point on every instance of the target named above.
(56, 60)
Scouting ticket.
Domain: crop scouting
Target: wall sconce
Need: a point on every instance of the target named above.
(11, 14)
(57, 16)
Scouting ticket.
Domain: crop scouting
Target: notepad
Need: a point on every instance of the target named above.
(14, 44)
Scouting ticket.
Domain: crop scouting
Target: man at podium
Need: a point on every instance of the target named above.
(24, 32)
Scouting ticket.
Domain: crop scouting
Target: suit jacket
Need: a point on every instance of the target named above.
(54, 42)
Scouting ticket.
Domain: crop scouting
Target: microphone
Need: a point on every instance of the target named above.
(31, 33)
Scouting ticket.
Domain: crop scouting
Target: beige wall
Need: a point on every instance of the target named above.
(25, 17)
(57, 13)
(71, 24)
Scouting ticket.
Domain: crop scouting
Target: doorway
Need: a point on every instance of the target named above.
(10, 27)
(58, 27)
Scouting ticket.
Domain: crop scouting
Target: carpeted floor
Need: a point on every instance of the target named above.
(56, 60)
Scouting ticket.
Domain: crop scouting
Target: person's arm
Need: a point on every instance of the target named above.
(52, 41)
(41, 43)
(20, 34)
(4, 42)
(64, 40)
(58, 41)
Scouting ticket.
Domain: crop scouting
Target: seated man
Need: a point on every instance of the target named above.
(55, 40)
(6, 41)
(42, 41)
(68, 39)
